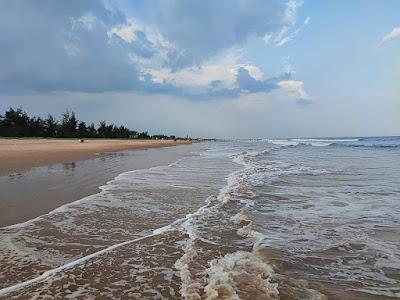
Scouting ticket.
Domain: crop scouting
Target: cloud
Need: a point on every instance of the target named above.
(391, 35)
(203, 28)
(126, 32)
(147, 48)
(61, 46)
(294, 91)
(248, 83)
(272, 92)
(223, 69)
(71, 49)
(287, 68)
(289, 16)
(187, 49)
(285, 35)
(295, 88)
(87, 21)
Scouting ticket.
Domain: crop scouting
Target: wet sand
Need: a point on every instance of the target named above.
(19, 155)
(26, 195)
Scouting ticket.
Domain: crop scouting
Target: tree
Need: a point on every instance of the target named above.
(121, 132)
(143, 135)
(14, 123)
(102, 130)
(69, 124)
(82, 130)
(92, 132)
(36, 127)
(50, 125)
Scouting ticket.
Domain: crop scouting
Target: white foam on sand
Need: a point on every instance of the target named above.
(49, 273)
(227, 274)
(190, 288)
(234, 180)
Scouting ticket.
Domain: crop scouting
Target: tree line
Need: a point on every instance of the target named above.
(17, 123)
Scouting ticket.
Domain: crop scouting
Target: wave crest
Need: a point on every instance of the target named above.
(229, 276)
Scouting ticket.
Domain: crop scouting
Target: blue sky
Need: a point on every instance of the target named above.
(207, 68)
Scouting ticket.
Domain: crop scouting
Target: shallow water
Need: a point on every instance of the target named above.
(262, 219)
(27, 195)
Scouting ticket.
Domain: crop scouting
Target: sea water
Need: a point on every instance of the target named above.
(246, 219)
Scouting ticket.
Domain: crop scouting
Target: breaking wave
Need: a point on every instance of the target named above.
(368, 143)
(308, 142)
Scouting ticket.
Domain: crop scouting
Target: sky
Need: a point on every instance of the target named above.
(216, 69)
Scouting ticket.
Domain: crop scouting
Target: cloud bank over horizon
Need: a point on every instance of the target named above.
(225, 59)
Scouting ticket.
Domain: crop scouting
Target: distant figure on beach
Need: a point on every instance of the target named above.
(82, 140)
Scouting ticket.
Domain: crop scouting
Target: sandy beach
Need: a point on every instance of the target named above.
(19, 155)
(37, 191)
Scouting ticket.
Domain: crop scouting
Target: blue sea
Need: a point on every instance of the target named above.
(242, 219)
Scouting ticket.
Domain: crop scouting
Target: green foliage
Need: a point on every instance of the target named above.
(163, 137)
(82, 130)
(16, 123)
(143, 135)
(51, 127)
(69, 124)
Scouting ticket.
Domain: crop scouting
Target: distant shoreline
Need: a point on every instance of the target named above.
(21, 154)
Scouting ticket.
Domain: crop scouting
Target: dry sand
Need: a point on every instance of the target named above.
(18, 155)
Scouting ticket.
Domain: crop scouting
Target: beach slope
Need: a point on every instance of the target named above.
(19, 155)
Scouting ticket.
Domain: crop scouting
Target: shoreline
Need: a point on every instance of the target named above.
(44, 188)
(21, 155)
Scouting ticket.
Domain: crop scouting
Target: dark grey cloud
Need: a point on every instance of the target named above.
(248, 83)
(202, 28)
(65, 45)
(45, 45)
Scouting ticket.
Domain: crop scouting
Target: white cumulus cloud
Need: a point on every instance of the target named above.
(223, 69)
(294, 88)
(391, 35)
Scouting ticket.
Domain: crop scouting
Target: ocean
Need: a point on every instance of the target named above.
(244, 219)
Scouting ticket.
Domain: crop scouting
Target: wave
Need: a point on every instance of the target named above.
(226, 276)
(384, 143)
(297, 142)
(327, 140)
(65, 214)
(309, 142)
(175, 225)
(190, 288)
(88, 199)
(386, 292)
(227, 273)
(49, 273)
(369, 146)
